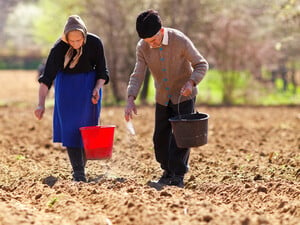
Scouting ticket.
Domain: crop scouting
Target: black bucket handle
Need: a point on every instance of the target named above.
(193, 110)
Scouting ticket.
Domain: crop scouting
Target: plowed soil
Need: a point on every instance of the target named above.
(247, 174)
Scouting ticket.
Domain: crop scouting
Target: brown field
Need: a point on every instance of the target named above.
(248, 173)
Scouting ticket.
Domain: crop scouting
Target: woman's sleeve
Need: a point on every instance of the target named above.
(53, 64)
(100, 63)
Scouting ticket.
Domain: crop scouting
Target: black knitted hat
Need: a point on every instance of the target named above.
(148, 23)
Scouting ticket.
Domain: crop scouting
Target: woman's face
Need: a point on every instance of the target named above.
(75, 39)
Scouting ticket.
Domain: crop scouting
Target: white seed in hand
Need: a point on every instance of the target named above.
(130, 127)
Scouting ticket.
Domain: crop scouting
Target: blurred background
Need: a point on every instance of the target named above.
(253, 47)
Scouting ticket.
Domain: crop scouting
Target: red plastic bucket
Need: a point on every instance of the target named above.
(98, 141)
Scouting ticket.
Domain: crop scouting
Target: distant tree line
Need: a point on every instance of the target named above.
(234, 35)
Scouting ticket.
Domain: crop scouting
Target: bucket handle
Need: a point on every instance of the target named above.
(178, 103)
(95, 114)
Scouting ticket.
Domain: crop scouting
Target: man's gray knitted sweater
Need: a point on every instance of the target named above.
(171, 66)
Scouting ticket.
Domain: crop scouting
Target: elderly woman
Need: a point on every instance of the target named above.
(77, 64)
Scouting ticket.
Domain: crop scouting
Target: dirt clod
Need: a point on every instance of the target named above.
(247, 174)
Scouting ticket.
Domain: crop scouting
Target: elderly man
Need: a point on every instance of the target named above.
(177, 67)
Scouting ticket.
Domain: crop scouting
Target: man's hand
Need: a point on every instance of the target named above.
(187, 88)
(130, 107)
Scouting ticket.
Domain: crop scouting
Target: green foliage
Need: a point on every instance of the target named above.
(20, 157)
(210, 88)
(24, 63)
(247, 91)
(49, 24)
(279, 97)
(52, 202)
(234, 35)
(223, 87)
(151, 91)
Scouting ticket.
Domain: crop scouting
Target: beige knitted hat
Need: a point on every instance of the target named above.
(74, 22)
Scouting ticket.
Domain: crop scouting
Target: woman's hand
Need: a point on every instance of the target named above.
(95, 94)
(39, 112)
(40, 109)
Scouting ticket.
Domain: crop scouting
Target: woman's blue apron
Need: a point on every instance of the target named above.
(73, 107)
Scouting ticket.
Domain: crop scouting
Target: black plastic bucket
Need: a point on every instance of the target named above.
(190, 130)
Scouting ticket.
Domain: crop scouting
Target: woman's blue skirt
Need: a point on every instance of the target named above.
(73, 107)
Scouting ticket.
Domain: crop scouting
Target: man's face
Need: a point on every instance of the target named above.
(156, 40)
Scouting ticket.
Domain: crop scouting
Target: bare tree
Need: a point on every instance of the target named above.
(6, 7)
(114, 21)
(234, 36)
